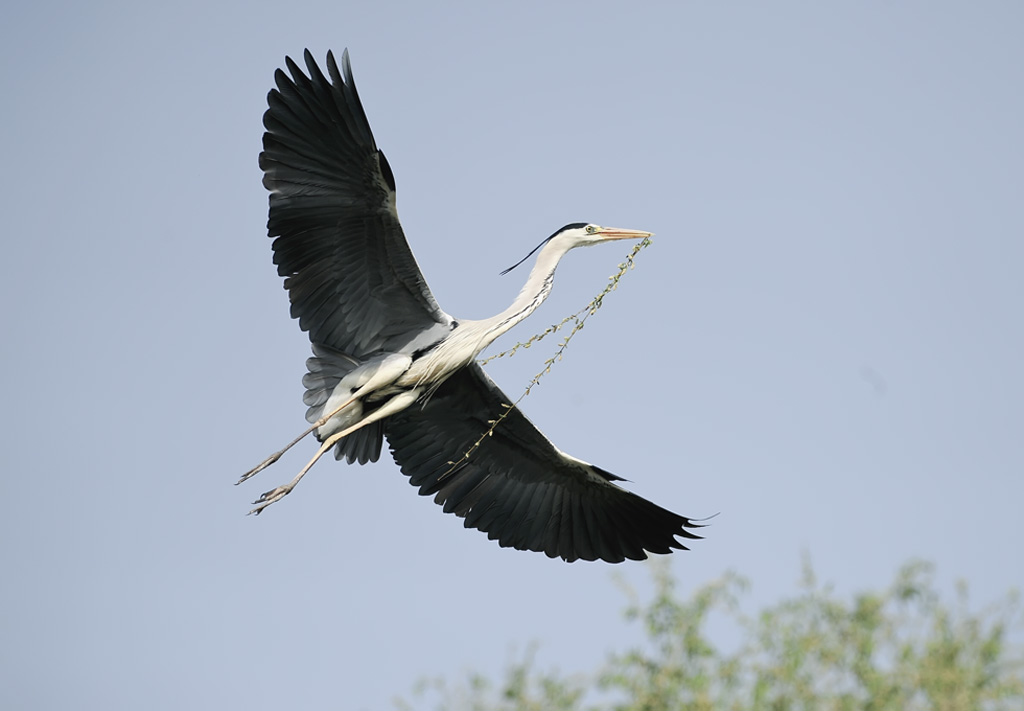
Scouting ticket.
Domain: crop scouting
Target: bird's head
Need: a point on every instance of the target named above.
(582, 234)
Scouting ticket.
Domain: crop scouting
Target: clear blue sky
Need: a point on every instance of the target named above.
(825, 343)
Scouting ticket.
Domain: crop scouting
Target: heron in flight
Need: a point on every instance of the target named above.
(388, 362)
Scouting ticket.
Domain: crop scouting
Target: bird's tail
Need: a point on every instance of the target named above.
(326, 369)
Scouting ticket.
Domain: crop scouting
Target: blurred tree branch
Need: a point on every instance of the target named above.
(899, 649)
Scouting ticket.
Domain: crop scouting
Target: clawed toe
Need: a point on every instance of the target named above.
(270, 497)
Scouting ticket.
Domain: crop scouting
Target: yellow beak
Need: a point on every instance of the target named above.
(611, 233)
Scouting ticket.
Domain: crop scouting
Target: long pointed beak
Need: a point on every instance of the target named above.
(610, 233)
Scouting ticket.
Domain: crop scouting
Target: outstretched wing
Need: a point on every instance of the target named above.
(516, 485)
(351, 278)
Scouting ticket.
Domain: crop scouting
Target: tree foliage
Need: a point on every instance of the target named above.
(900, 649)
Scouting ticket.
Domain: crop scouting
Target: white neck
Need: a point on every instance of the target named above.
(471, 337)
(532, 295)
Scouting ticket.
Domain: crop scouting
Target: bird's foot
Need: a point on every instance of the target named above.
(260, 467)
(271, 496)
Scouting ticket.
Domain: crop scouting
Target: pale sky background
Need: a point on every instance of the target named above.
(824, 343)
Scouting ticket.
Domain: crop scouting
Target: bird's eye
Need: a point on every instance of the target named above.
(591, 229)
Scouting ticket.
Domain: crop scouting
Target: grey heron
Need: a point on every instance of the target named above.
(388, 362)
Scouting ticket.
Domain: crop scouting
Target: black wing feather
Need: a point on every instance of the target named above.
(352, 280)
(518, 487)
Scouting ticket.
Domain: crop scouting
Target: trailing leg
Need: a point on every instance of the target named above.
(396, 404)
